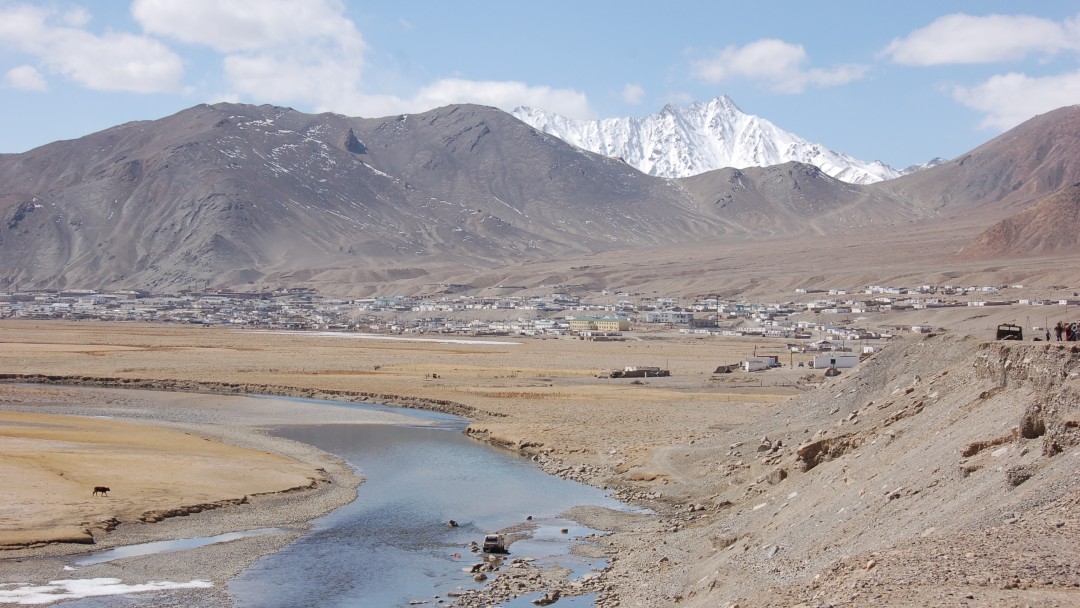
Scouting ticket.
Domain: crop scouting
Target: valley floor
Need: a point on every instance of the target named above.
(943, 471)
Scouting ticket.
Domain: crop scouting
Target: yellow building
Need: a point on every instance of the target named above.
(583, 324)
(605, 324)
(611, 324)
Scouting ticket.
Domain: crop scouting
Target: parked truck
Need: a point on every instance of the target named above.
(1007, 331)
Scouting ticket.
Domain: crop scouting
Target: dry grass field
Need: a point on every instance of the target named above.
(51, 465)
(547, 394)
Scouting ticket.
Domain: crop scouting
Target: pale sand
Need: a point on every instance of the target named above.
(203, 462)
(145, 468)
(160, 454)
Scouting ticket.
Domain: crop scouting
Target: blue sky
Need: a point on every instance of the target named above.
(897, 82)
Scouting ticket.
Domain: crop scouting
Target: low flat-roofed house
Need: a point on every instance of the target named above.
(675, 317)
(751, 365)
(613, 324)
(838, 361)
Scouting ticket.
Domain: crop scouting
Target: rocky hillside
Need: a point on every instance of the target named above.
(247, 197)
(792, 198)
(1048, 226)
(942, 471)
(235, 196)
(1003, 175)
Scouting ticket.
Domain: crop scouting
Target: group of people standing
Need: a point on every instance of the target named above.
(1070, 332)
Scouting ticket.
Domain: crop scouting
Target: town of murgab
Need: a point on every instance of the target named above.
(867, 396)
(937, 468)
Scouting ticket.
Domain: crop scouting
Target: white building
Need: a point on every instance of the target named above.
(837, 360)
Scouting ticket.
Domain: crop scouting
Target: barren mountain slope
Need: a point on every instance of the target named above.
(1004, 174)
(242, 197)
(943, 471)
(792, 198)
(233, 194)
(1051, 225)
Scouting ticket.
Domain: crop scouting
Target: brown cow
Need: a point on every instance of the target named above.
(100, 490)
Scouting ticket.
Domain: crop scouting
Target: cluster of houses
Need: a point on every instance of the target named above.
(599, 315)
(288, 309)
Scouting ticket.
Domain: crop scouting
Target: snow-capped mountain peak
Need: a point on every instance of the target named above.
(703, 136)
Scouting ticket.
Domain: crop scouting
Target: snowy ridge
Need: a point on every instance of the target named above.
(680, 142)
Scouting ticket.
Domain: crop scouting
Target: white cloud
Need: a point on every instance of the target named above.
(1009, 99)
(77, 17)
(960, 38)
(26, 78)
(230, 26)
(633, 93)
(110, 62)
(505, 95)
(223, 98)
(681, 99)
(320, 81)
(780, 65)
(279, 51)
(376, 106)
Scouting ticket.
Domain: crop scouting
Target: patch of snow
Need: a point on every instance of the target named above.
(507, 204)
(55, 591)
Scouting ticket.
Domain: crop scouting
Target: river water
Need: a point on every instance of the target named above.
(393, 545)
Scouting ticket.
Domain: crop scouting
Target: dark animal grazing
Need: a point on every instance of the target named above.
(101, 490)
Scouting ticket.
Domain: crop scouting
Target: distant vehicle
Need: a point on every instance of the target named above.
(1007, 331)
(494, 543)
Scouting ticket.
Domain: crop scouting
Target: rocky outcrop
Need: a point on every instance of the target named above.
(353, 143)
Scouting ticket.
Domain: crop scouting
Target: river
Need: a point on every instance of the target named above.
(393, 545)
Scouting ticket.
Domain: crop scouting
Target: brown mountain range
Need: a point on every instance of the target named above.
(1003, 175)
(253, 196)
(1046, 227)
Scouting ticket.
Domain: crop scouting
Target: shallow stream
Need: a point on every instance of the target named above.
(393, 544)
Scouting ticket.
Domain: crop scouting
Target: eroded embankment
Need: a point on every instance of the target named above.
(242, 388)
(1050, 373)
(942, 467)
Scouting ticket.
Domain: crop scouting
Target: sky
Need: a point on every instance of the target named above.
(900, 82)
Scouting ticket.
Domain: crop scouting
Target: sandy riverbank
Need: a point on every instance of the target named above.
(178, 465)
